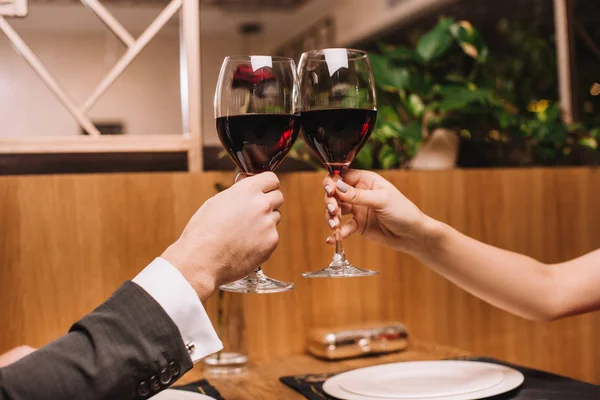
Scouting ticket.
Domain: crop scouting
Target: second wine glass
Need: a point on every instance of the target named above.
(338, 113)
(256, 105)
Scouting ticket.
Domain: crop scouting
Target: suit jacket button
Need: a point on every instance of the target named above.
(143, 389)
(174, 369)
(154, 384)
(165, 377)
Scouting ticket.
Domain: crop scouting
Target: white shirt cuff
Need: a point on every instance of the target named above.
(176, 296)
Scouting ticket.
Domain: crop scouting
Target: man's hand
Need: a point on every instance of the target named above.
(15, 355)
(230, 235)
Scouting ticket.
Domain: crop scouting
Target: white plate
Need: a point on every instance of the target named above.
(430, 380)
(171, 394)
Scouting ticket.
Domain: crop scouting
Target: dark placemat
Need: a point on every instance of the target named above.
(202, 386)
(538, 385)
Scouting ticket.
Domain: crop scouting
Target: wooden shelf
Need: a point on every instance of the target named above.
(101, 144)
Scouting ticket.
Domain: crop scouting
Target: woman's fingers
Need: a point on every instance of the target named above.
(349, 228)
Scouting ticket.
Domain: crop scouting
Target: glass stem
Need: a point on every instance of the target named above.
(256, 276)
(339, 258)
(339, 245)
(220, 322)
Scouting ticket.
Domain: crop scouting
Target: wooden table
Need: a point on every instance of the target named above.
(261, 381)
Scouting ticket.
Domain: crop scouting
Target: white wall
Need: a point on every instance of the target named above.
(214, 49)
(357, 19)
(145, 98)
(78, 50)
(286, 27)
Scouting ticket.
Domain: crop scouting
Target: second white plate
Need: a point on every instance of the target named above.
(431, 380)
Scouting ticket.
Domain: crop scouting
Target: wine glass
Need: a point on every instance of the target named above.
(338, 112)
(256, 105)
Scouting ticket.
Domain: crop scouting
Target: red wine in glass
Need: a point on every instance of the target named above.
(258, 142)
(337, 135)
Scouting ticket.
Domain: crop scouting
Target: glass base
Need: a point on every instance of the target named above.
(340, 268)
(257, 282)
(225, 363)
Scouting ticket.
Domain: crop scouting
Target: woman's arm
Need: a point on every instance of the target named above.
(514, 282)
(511, 281)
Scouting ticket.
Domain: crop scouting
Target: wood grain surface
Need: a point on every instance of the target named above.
(67, 242)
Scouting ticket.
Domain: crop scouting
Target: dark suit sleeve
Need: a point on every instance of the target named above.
(128, 348)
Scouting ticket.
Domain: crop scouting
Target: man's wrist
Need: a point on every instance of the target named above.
(199, 277)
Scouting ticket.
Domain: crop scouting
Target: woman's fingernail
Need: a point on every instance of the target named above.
(342, 186)
(328, 240)
(332, 224)
(328, 189)
(331, 208)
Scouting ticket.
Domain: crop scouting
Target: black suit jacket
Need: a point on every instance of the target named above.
(128, 348)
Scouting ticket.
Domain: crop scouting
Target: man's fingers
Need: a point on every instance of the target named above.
(275, 199)
(265, 182)
(277, 216)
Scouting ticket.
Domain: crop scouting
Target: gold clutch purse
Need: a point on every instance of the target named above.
(357, 340)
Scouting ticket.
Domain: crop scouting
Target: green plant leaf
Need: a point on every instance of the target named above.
(457, 97)
(411, 131)
(436, 42)
(576, 127)
(355, 99)
(388, 157)
(507, 120)
(589, 143)
(271, 110)
(400, 54)
(421, 85)
(411, 137)
(364, 158)
(386, 131)
(456, 78)
(388, 113)
(470, 41)
(388, 77)
(552, 113)
(415, 105)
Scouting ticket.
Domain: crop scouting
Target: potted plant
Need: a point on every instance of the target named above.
(424, 94)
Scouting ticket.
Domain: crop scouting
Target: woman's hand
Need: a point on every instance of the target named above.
(379, 211)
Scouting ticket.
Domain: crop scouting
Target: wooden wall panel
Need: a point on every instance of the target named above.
(67, 242)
